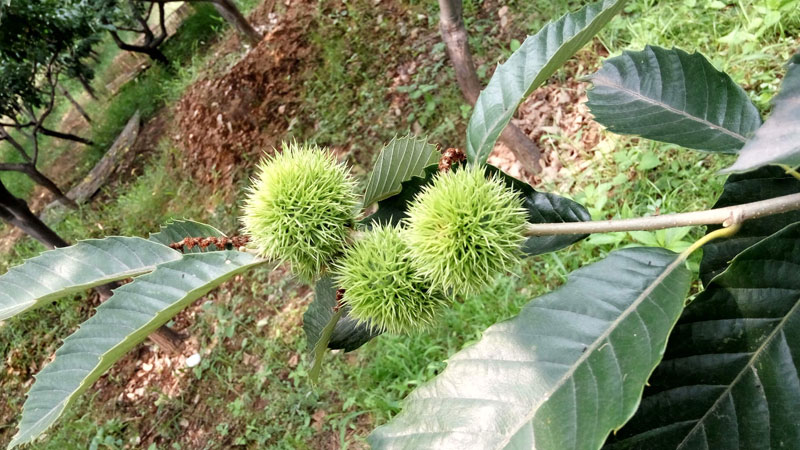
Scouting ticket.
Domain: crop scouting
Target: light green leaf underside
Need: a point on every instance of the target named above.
(126, 319)
(672, 96)
(562, 374)
(778, 140)
(63, 271)
(730, 378)
(177, 230)
(399, 161)
(527, 68)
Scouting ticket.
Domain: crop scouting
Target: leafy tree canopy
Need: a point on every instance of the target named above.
(38, 37)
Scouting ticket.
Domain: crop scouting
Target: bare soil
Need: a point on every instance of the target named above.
(245, 112)
(557, 119)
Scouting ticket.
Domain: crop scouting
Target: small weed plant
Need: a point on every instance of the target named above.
(619, 357)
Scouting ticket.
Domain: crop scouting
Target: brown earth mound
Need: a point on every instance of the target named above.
(240, 114)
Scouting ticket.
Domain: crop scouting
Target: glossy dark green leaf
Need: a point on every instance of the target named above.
(178, 230)
(126, 319)
(63, 271)
(672, 96)
(348, 334)
(402, 159)
(565, 372)
(527, 68)
(778, 140)
(762, 184)
(545, 207)
(730, 378)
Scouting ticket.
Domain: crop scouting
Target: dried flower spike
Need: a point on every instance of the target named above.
(464, 230)
(300, 207)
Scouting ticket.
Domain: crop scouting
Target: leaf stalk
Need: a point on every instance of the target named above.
(790, 171)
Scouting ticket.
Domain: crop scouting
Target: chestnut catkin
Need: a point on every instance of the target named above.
(300, 208)
(465, 229)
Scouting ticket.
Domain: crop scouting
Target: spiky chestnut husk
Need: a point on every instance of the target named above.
(382, 288)
(465, 229)
(300, 207)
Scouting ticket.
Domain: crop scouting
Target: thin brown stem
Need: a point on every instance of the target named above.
(725, 216)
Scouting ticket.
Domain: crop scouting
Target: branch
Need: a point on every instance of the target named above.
(66, 136)
(131, 29)
(15, 167)
(725, 216)
(143, 20)
(161, 23)
(4, 136)
(16, 124)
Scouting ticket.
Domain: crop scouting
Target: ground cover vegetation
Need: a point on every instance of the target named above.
(637, 178)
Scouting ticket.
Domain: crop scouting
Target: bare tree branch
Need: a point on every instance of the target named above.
(4, 136)
(725, 216)
(228, 10)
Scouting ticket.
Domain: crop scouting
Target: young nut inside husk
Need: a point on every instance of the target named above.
(300, 208)
(382, 288)
(465, 229)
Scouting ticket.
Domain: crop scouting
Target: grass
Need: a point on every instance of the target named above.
(347, 101)
(249, 330)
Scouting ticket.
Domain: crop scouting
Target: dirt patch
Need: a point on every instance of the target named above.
(243, 112)
(557, 119)
(331, 440)
(135, 383)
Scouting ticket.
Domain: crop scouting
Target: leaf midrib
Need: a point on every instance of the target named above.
(405, 174)
(745, 369)
(591, 348)
(103, 362)
(75, 288)
(672, 109)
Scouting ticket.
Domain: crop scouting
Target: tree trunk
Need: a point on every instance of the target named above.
(42, 180)
(87, 87)
(157, 56)
(228, 10)
(167, 339)
(65, 136)
(454, 35)
(77, 105)
(456, 40)
(15, 211)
